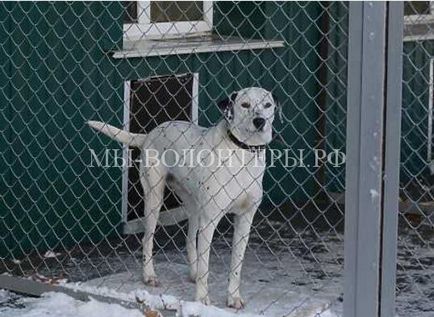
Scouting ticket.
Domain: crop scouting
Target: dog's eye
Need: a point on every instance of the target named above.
(267, 105)
(245, 105)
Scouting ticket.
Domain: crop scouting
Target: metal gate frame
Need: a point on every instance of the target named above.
(373, 153)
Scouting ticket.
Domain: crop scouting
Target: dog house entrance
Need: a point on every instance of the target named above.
(148, 103)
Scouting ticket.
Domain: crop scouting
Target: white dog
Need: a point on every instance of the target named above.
(228, 178)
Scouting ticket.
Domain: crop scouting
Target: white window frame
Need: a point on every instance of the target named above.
(144, 29)
(420, 18)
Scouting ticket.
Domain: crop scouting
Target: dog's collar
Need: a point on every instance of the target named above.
(244, 146)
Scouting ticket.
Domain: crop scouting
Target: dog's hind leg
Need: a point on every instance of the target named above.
(193, 226)
(153, 182)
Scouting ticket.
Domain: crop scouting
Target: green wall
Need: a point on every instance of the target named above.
(56, 72)
(54, 75)
(414, 141)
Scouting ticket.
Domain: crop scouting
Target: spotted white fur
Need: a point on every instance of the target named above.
(229, 185)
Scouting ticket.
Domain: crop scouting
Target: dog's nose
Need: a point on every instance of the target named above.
(259, 123)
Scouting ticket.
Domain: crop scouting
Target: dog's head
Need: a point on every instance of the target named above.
(250, 114)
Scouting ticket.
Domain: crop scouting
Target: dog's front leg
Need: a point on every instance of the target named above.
(207, 227)
(242, 226)
(193, 226)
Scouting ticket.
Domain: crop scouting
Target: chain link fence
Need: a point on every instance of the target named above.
(71, 199)
(416, 222)
(75, 213)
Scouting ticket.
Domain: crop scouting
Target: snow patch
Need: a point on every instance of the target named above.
(310, 307)
(193, 309)
(61, 305)
(165, 302)
(51, 254)
(4, 296)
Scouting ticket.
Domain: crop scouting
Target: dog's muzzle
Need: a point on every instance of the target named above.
(259, 123)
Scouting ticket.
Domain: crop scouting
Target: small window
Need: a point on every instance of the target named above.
(416, 12)
(418, 20)
(417, 7)
(162, 19)
(176, 11)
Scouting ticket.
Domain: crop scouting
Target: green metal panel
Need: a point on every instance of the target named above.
(336, 93)
(58, 77)
(416, 78)
(6, 177)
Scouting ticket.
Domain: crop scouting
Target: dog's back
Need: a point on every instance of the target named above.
(174, 135)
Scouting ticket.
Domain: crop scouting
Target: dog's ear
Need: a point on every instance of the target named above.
(227, 106)
(276, 101)
(278, 107)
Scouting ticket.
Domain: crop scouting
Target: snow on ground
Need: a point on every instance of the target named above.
(9, 301)
(4, 296)
(415, 274)
(274, 284)
(267, 293)
(284, 274)
(61, 305)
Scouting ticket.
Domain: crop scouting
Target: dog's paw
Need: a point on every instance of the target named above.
(235, 302)
(151, 281)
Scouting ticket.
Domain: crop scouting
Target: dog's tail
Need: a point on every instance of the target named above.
(132, 139)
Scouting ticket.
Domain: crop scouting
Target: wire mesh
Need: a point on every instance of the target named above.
(72, 212)
(415, 253)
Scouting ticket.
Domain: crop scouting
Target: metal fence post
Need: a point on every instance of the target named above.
(364, 154)
(372, 151)
(392, 147)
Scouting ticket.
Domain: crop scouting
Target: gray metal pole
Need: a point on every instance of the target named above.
(373, 148)
(366, 74)
(392, 157)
